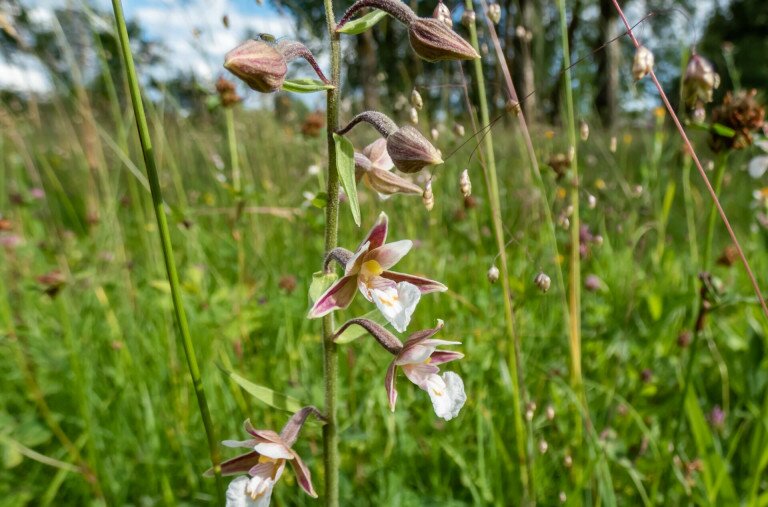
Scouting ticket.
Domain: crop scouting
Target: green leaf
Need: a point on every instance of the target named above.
(722, 130)
(352, 333)
(264, 394)
(320, 200)
(345, 161)
(320, 283)
(305, 85)
(363, 23)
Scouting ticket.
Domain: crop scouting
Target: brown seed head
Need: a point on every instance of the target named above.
(433, 41)
(258, 64)
(740, 112)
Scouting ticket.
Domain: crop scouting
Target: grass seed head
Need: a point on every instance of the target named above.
(494, 13)
(642, 64)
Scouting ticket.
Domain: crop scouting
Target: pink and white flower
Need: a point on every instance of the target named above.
(367, 269)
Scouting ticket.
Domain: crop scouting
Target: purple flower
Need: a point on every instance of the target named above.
(367, 269)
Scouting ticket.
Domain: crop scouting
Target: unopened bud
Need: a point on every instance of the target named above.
(583, 130)
(410, 151)
(258, 64)
(493, 274)
(494, 13)
(458, 129)
(468, 18)
(643, 62)
(465, 185)
(428, 197)
(433, 41)
(416, 100)
(413, 115)
(443, 13)
(543, 282)
(434, 133)
(700, 81)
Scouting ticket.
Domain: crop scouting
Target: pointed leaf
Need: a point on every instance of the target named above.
(723, 130)
(264, 394)
(352, 333)
(363, 23)
(345, 161)
(305, 85)
(320, 283)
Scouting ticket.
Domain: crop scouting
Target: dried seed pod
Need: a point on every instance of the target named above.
(583, 130)
(642, 63)
(416, 100)
(443, 13)
(465, 185)
(493, 274)
(543, 282)
(494, 13)
(468, 18)
(433, 41)
(413, 116)
(258, 64)
(428, 197)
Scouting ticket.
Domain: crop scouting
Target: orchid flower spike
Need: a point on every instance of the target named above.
(374, 167)
(265, 463)
(367, 269)
(419, 358)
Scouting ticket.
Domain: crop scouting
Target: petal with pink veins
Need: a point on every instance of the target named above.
(420, 373)
(302, 475)
(444, 356)
(425, 285)
(274, 451)
(338, 296)
(390, 254)
(378, 233)
(389, 383)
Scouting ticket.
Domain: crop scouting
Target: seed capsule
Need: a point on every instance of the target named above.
(543, 282)
(642, 63)
(465, 185)
(428, 197)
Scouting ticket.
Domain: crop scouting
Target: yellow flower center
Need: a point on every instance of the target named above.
(370, 269)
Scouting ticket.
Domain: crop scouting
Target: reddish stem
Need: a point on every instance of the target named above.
(703, 174)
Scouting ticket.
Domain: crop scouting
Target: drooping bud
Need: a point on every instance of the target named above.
(433, 41)
(413, 115)
(258, 64)
(642, 63)
(416, 100)
(409, 150)
(583, 130)
(465, 185)
(700, 81)
(443, 13)
(468, 18)
(493, 274)
(458, 129)
(290, 431)
(428, 197)
(385, 338)
(543, 282)
(373, 165)
(494, 13)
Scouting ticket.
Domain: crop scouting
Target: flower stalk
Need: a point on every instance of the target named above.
(165, 241)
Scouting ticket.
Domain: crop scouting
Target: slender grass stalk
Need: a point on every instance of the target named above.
(574, 293)
(720, 167)
(330, 353)
(700, 168)
(515, 361)
(167, 247)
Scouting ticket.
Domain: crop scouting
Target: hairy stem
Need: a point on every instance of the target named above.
(394, 8)
(330, 354)
(165, 241)
(515, 362)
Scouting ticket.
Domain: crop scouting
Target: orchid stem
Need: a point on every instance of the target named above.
(515, 362)
(330, 354)
(165, 241)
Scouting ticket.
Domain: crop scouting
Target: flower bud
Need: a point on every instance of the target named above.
(433, 41)
(543, 282)
(416, 100)
(700, 81)
(413, 115)
(410, 151)
(494, 13)
(443, 13)
(493, 274)
(258, 64)
(458, 129)
(468, 18)
(583, 130)
(428, 197)
(643, 62)
(465, 185)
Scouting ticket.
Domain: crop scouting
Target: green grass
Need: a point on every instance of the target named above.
(104, 353)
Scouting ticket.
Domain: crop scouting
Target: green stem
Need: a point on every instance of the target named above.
(515, 362)
(719, 174)
(165, 240)
(330, 354)
(574, 295)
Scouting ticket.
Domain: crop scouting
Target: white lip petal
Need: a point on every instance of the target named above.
(757, 166)
(397, 304)
(447, 394)
(238, 494)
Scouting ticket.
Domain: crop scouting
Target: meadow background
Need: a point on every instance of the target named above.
(92, 368)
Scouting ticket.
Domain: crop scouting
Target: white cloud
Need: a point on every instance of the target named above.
(24, 75)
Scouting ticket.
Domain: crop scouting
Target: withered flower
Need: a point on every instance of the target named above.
(374, 167)
(227, 92)
(740, 112)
